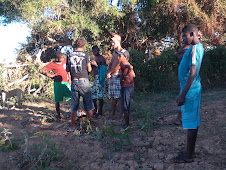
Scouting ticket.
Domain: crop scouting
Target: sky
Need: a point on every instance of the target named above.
(11, 36)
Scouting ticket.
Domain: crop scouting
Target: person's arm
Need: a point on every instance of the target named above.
(181, 98)
(46, 73)
(89, 67)
(69, 77)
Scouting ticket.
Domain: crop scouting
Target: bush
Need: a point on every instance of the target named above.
(157, 74)
(160, 73)
(213, 68)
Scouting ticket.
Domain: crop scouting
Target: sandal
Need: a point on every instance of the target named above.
(182, 159)
(71, 129)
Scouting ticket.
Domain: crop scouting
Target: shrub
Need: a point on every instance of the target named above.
(157, 74)
(160, 73)
(214, 67)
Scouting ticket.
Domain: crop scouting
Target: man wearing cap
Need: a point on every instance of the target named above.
(113, 73)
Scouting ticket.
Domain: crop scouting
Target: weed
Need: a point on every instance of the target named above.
(40, 155)
(72, 165)
(8, 143)
(120, 140)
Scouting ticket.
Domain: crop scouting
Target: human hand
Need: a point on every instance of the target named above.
(108, 75)
(52, 75)
(180, 100)
(94, 63)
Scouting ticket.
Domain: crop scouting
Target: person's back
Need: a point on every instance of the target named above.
(78, 64)
(61, 80)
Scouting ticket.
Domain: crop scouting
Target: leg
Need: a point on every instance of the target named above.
(73, 119)
(178, 119)
(191, 140)
(126, 117)
(120, 109)
(100, 108)
(57, 105)
(113, 105)
(95, 105)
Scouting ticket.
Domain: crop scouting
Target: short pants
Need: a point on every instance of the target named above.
(98, 91)
(61, 90)
(126, 95)
(190, 109)
(114, 87)
(81, 88)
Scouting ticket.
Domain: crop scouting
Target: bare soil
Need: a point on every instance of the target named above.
(151, 142)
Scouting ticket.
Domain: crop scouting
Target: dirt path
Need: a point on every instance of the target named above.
(150, 143)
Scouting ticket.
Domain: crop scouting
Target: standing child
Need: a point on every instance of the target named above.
(61, 80)
(180, 52)
(98, 89)
(190, 93)
(113, 72)
(78, 64)
(127, 84)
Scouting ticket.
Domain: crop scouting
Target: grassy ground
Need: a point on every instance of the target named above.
(150, 143)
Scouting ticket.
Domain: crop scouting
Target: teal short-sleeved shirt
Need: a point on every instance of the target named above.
(188, 60)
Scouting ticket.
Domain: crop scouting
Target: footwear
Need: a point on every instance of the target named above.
(58, 118)
(182, 159)
(184, 154)
(71, 129)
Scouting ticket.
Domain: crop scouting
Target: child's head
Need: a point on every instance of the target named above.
(190, 34)
(116, 40)
(59, 56)
(123, 55)
(95, 50)
(79, 43)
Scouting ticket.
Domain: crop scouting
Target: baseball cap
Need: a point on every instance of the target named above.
(116, 37)
(123, 52)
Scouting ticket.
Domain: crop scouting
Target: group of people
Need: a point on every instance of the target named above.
(120, 77)
(71, 80)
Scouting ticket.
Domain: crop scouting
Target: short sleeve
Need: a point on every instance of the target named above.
(194, 55)
(88, 59)
(48, 67)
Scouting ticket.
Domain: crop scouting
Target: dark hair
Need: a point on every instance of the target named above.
(79, 43)
(59, 54)
(95, 47)
(190, 28)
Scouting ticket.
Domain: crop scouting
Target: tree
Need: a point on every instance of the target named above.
(56, 23)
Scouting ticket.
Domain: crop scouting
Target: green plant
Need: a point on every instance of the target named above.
(72, 165)
(39, 155)
(7, 142)
(120, 140)
(157, 74)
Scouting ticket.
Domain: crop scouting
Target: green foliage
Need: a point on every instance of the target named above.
(157, 74)
(213, 67)
(7, 142)
(160, 73)
(39, 155)
(117, 140)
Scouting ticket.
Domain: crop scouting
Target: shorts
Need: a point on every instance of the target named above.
(126, 95)
(114, 87)
(61, 90)
(81, 88)
(190, 109)
(98, 91)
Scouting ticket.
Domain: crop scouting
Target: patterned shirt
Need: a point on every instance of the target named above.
(77, 64)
